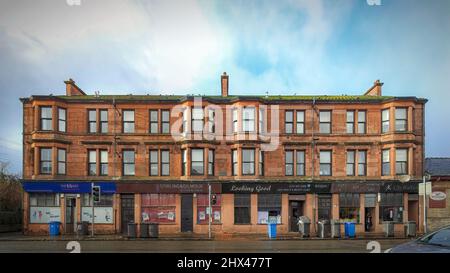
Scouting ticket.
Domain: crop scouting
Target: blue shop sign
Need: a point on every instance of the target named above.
(67, 187)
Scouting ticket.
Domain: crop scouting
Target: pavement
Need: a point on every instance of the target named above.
(18, 236)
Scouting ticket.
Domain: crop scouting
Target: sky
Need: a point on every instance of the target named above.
(301, 47)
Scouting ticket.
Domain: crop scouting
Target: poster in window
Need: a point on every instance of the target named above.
(171, 216)
(145, 217)
(44, 215)
(158, 214)
(263, 217)
(217, 215)
(103, 215)
(202, 215)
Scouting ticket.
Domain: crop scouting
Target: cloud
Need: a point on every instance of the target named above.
(280, 47)
(166, 48)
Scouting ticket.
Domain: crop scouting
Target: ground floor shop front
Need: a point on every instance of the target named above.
(236, 207)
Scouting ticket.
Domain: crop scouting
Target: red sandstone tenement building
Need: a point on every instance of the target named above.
(274, 158)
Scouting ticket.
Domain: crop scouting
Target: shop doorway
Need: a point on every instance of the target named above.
(71, 215)
(126, 211)
(324, 207)
(369, 217)
(295, 211)
(187, 222)
(413, 211)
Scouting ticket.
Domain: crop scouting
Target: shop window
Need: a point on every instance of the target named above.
(106, 200)
(44, 208)
(158, 208)
(269, 208)
(242, 208)
(203, 209)
(103, 210)
(391, 207)
(349, 207)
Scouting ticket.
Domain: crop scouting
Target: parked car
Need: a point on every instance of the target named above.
(434, 242)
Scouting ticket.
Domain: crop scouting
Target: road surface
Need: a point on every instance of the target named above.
(155, 246)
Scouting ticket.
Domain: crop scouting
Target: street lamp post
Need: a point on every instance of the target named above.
(209, 208)
(425, 178)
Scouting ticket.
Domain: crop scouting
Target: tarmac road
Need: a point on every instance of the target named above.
(155, 246)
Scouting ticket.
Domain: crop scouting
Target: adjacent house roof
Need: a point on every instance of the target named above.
(438, 166)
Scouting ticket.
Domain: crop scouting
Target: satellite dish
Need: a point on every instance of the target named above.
(404, 178)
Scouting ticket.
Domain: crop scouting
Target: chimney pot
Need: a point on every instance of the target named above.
(224, 84)
(72, 89)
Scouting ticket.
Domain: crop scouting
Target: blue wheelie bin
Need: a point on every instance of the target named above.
(349, 229)
(53, 228)
(272, 230)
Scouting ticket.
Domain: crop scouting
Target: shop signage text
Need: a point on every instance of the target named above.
(254, 187)
(438, 196)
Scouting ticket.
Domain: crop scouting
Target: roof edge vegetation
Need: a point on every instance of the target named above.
(181, 98)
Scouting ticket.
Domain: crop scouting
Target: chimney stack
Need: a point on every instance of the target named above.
(375, 90)
(72, 89)
(224, 84)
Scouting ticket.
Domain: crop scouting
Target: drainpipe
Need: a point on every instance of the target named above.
(115, 137)
(313, 141)
(312, 161)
